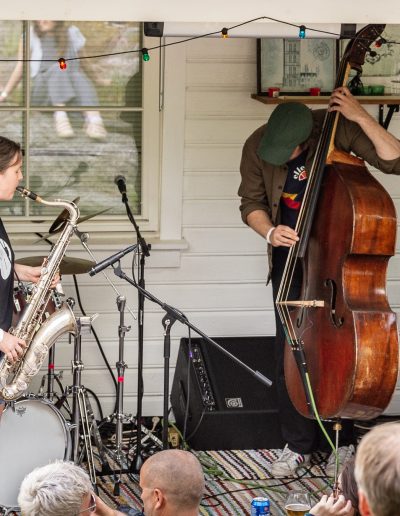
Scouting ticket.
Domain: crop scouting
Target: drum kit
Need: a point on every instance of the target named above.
(33, 429)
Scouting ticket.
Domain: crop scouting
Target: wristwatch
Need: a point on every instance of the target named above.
(1, 335)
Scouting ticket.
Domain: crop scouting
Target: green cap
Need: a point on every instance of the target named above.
(289, 125)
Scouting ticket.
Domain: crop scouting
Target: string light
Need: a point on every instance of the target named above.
(63, 63)
(379, 42)
(223, 32)
(145, 54)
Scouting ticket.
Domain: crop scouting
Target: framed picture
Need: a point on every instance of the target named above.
(296, 65)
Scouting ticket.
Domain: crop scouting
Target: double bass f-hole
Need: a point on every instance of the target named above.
(299, 320)
(336, 321)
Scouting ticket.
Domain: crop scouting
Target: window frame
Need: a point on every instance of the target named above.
(115, 225)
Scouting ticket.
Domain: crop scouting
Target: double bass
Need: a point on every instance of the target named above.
(341, 360)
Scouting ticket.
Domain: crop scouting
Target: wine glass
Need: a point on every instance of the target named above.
(298, 503)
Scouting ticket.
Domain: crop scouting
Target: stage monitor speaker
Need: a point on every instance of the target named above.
(228, 407)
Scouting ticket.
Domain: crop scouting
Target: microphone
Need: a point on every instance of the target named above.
(120, 181)
(110, 260)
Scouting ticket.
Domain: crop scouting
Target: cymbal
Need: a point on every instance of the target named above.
(59, 223)
(68, 265)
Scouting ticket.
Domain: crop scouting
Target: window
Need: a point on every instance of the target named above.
(83, 126)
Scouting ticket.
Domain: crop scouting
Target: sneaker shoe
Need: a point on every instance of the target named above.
(96, 130)
(345, 453)
(288, 463)
(63, 126)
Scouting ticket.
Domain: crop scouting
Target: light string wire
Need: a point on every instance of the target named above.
(224, 32)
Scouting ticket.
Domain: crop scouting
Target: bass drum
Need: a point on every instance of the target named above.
(32, 433)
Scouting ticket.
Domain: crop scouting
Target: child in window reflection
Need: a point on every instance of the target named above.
(50, 40)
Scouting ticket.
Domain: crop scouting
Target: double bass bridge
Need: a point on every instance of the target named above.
(303, 303)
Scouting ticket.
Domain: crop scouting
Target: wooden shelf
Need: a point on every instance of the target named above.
(324, 99)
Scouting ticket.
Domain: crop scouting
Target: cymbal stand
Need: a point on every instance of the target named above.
(119, 415)
(51, 377)
(84, 237)
(82, 413)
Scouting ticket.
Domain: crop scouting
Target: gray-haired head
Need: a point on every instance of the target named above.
(57, 489)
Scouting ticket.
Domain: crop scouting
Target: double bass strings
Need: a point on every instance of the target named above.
(303, 225)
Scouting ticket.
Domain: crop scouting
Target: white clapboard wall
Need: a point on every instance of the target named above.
(218, 280)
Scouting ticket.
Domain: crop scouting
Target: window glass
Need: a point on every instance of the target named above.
(82, 126)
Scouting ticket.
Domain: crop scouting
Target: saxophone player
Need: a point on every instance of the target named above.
(10, 177)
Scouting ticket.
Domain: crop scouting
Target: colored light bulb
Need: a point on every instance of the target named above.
(145, 54)
(63, 64)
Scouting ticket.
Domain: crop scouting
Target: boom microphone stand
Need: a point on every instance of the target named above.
(173, 314)
(137, 460)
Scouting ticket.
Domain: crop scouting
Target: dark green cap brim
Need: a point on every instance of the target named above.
(289, 125)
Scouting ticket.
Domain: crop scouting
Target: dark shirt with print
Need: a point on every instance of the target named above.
(293, 191)
(6, 279)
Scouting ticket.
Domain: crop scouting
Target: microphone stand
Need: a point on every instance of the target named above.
(137, 460)
(173, 314)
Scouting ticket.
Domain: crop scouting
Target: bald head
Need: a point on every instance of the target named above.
(178, 474)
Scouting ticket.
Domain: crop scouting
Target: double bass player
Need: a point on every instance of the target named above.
(275, 162)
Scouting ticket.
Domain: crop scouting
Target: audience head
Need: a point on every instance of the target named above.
(377, 471)
(348, 485)
(172, 483)
(57, 489)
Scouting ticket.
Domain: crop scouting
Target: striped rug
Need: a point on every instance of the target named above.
(233, 479)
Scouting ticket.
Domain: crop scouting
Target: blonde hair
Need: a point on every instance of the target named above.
(377, 469)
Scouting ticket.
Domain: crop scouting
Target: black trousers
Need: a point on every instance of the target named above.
(302, 434)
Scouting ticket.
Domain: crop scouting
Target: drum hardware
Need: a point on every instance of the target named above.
(119, 414)
(83, 423)
(80, 404)
(84, 237)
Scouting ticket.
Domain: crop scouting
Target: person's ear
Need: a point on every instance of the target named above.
(363, 506)
(158, 498)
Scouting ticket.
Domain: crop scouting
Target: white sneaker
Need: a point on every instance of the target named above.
(288, 463)
(345, 453)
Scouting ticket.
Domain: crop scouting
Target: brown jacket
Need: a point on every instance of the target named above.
(262, 183)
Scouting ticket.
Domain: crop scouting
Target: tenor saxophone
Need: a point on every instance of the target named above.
(15, 377)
